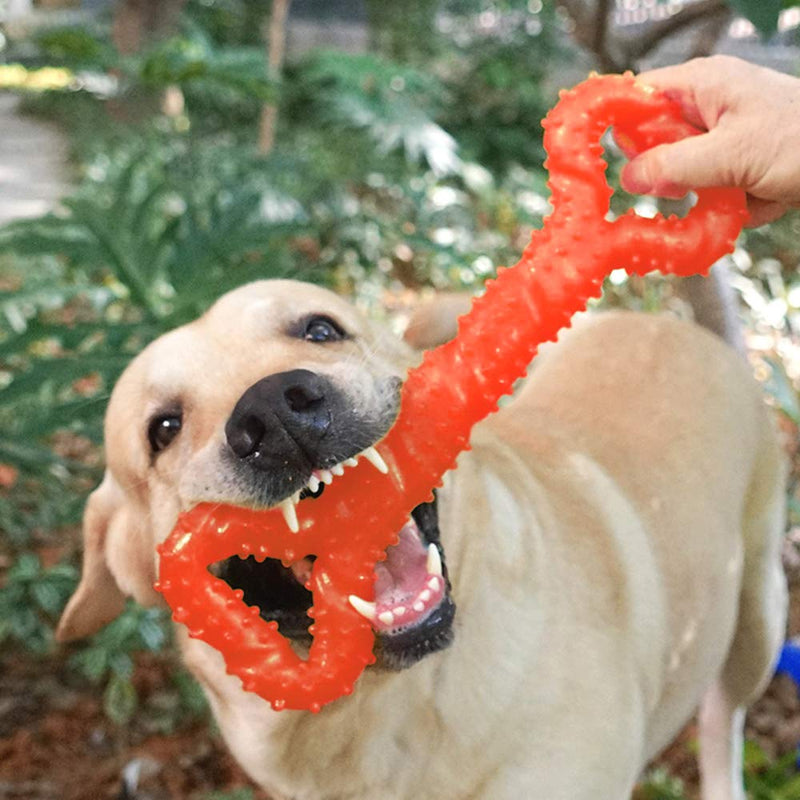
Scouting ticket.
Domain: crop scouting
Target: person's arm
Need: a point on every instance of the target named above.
(752, 118)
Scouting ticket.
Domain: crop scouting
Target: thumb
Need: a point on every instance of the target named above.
(671, 170)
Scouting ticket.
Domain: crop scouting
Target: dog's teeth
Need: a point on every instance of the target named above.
(434, 583)
(434, 565)
(425, 595)
(296, 497)
(374, 458)
(290, 515)
(364, 607)
(326, 476)
(386, 617)
(419, 606)
(338, 470)
(351, 462)
(399, 611)
(313, 484)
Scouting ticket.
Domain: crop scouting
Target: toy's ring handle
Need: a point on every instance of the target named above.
(641, 118)
(671, 244)
(255, 650)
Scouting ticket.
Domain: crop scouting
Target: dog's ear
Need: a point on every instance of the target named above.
(111, 543)
(434, 320)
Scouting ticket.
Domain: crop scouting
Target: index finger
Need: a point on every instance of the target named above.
(678, 83)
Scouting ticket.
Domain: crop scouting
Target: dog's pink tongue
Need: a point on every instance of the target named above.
(405, 590)
(408, 586)
(404, 571)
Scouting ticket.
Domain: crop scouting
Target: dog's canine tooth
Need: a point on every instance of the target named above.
(434, 565)
(374, 458)
(364, 607)
(386, 617)
(290, 514)
(351, 462)
(296, 497)
(337, 470)
(326, 476)
(313, 484)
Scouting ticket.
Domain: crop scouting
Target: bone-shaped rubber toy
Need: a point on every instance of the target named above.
(456, 385)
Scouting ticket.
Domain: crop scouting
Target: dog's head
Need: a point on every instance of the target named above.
(261, 402)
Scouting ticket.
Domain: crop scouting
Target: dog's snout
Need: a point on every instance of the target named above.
(279, 415)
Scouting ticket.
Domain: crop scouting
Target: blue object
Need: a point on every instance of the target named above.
(789, 664)
(789, 661)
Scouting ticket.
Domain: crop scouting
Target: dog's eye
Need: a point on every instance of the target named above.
(322, 329)
(162, 430)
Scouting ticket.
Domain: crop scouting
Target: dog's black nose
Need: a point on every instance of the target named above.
(280, 418)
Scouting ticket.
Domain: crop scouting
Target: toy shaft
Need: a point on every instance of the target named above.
(461, 382)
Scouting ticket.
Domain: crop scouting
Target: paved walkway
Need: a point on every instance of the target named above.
(33, 163)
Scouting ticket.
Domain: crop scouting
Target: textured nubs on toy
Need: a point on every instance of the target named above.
(351, 526)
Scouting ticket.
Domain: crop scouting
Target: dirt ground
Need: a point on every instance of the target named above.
(57, 744)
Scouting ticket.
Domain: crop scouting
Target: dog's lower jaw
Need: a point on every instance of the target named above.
(402, 650)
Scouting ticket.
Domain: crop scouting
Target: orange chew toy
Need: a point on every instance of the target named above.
(350, 527)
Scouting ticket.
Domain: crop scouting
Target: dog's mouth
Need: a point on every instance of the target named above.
(412, 614)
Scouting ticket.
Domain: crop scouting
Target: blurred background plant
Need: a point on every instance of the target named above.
(383, 150)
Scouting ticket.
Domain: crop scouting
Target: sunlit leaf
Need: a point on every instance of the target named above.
(120, 700)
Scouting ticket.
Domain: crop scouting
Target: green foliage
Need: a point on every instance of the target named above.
(498, 85)
(781, 390)
(108, 659)
(762, 13)
(394, 105)
(226, 23)
(218, 83)
(767, 779)
(31, 599)
(75, 47)
(659, 785)
(147, 243)
(47, 496)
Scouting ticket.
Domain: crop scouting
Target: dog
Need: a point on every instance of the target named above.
(610, 546)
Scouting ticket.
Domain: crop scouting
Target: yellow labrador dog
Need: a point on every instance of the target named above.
(609, 550)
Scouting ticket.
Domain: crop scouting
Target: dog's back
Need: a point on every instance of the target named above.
(658, 487)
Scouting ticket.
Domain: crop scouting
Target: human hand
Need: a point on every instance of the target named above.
(751, 119)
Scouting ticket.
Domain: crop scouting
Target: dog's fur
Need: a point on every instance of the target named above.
(612, 538)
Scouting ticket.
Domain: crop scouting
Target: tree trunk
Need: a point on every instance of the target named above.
(616, 54)
(276, 54)
(138, 21)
